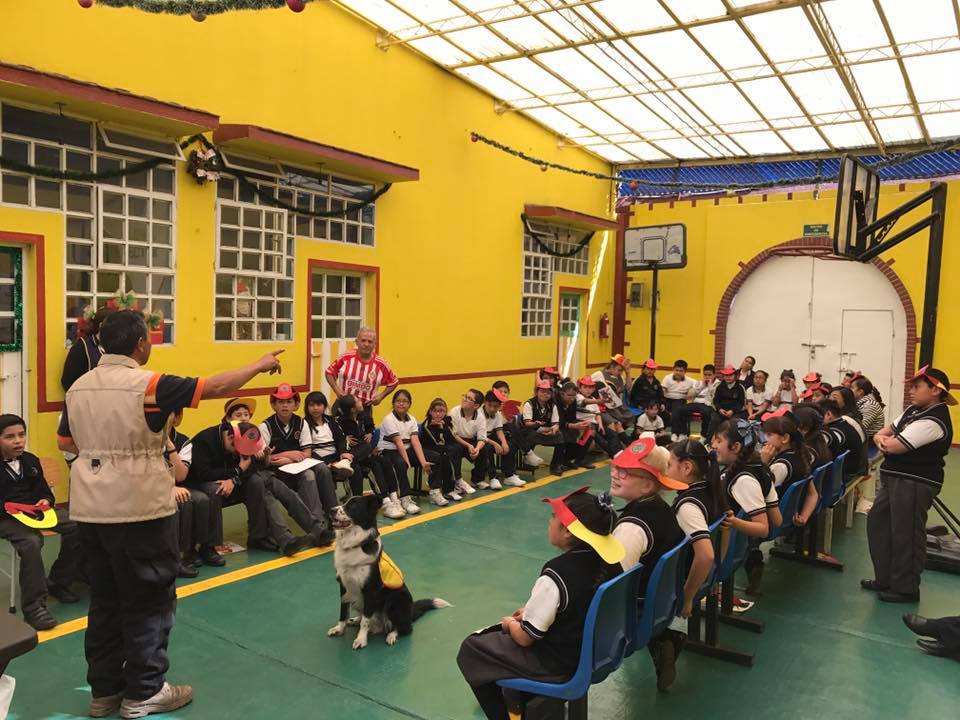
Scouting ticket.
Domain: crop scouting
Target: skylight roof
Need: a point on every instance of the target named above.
(665, 81)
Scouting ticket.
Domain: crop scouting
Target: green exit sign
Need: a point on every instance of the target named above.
(816, 230)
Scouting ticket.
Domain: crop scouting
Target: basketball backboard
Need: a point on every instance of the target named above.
(858, 188)
(660, 246)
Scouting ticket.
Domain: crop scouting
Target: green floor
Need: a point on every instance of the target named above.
(258, 648)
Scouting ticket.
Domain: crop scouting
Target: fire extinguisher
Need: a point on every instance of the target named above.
(604, 326)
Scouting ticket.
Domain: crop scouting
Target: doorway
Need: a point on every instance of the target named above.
(570, 346)
(813, 314)
(12, 386)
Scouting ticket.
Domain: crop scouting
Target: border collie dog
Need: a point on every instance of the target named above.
(384, 603)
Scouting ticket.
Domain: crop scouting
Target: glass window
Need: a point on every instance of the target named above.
(336, 305)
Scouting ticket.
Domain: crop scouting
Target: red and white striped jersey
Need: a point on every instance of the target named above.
(361, 379)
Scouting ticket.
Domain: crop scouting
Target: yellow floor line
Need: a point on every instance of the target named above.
(76, 625)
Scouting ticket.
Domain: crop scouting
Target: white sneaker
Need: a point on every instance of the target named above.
(483, 485)
(409, 506)
(681, 437)
(342, 468)
(514, 481)
(532, 459)
(170, 697)
(455, 496)
(495, 485)
(674, 437)
(392, 509)
(463, 487)
(437, 498)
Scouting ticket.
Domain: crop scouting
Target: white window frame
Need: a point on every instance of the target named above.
(104, 128)
(343, 318)
(533, 299)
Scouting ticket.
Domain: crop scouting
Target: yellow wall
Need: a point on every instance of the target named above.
(448, 246)
(721, 236)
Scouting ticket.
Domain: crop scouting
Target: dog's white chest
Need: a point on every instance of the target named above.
(353, 567)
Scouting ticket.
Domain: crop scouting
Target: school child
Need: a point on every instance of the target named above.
(844, 434)
(786, 393)
(729, 399)
(399, 439)
(646, 387)
(470, 434)
(498, 443)
(616, 379)
(914, 447)
(647, 527)
(576, 433)
(509, 411)
(651, 422)
(197, 526)
(696, 508)
(745, 372)
(749, 489)
(22, 481)
(542, 640)
(810, 424)
(815, 394)
(590, 409)
(702, 405)
(540, 423)
(677, 389)
(281, 432)
(357, 428)
(812, 378)
(758, 398)
(550, 374)
(870, 405)
(789, 459)
(436, 438)
(323, 439)
(239, 410)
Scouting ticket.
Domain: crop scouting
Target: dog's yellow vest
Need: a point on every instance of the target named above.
(390, 574)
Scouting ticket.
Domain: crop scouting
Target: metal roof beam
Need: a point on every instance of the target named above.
(903, 69)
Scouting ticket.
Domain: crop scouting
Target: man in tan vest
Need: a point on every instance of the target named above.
(122, 496)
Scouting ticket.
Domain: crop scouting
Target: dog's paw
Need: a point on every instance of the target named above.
(336, 630)
(392, 637)
(354, 621)
(359, 643)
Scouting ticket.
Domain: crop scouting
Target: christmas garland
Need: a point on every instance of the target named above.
(535, 234)
(634, 183)
(199, 9)
(198, 162)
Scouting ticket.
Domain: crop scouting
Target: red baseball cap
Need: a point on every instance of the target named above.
(938, 379)
(586, 380)
(619, 359)
(811, 377)
(645, 454)
(501, 396)
(285, 391)
(729, 370)
(651, 363)
(810, 388)
(550, 370)
(544, 385)
(607, 546)
(779, 412)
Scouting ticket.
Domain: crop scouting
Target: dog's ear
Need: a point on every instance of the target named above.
(371, 504)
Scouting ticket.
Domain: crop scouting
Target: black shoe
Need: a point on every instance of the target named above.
(917, 624)
(935, 647)
(187, 571)
(190, 557)
(262, 544)
(665, 661)
(325, 538)
(872, 585)
(895, 597)
(295, 545)
(556, 470)
(63, 594)
(210, 556)
(40, 619)
(585, 465)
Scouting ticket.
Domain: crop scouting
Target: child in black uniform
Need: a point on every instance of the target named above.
(358, 427)
(542, 640)
(789, 459)
(436, 439)
(648, 529)
(22, 481)
(647, 387)
(729, 399)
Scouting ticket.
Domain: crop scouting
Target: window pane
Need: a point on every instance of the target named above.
(113, 254)
(264, 331)
(352, 285)
(79, 198)
(16, 189)
(353, 234)
(229, 237)
(46, 156)
(316, 305)
(224, 307)
(223, 331)
(333, 329)
(162, 234)
(366, 236)
(334, 306)
(352, 307)
(334, 283)
(138, 231)
(224, 284)
(160, 257)
(251, 261)
(113, 203)
(105, 164)
(140, 180)
(78, 254)
(108, 281)
(285, 310)
(138, 206)
(16, 150)
(264, 287)
(161, 284)
(137, 255)
(316, 328)
(226, 188)
(46, 126)
(336, 231)
(284, 331)
(229, 215)
(162, 210)
(163, 179)
(78, 162)
(264, 309)
(137, 282)
(351, 328)
(244, 308)
(244, 331)
(228, 260)
(251, 239)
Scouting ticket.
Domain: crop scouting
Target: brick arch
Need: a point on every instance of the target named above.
(821, 247)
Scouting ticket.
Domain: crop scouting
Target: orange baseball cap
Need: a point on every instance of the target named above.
(619, 359)
(645, 454)
(285, 391)
(550, 370)
(586, 380)
(937, 378)
(811, 377)
(544, 385)
(779, 412)
(729, 370)
(651, 363)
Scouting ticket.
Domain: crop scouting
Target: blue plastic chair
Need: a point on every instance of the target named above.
(824, 479)
(608, 634)
(634, 410)
(790, 505)
(664, 590)
(834, 483)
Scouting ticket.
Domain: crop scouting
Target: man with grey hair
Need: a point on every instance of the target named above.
(361, 372)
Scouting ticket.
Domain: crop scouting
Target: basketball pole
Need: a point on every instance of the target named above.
(653, 310)
(935, 221)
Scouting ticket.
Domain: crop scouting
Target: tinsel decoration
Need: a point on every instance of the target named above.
(537, 235)
(199, 9)
(17, 344)
(242, 178)
(204, 165)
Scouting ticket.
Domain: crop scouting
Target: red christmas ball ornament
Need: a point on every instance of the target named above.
(296, 5)
(85, 3)
(473, 137)
(633, 184)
